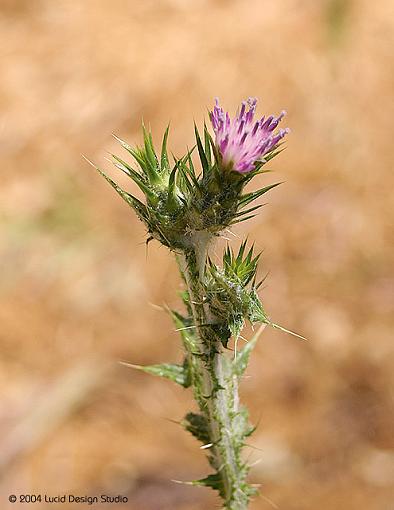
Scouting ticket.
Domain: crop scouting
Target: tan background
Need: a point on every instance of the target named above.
(77, 280)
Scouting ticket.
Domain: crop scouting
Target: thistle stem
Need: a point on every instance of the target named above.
(215, 387)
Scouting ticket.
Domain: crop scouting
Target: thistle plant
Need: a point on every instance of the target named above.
(189, 203)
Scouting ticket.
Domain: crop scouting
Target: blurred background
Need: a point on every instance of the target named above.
(79, 288)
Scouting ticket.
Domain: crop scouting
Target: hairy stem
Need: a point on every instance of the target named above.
(215, 387)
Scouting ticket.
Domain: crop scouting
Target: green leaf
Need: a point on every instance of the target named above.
(125, 167)
(247, 211)
(173, 372)
(197, 425)
(137, 178)
(150, 157)
(255, 310)
(241, 360)
(214, 481)
(125, 145)
(243, 219)
(172, 199)
(145, 157)
(235, 325)
(164, 155)
(275, 151)
(189, 169)
(200, 148)
(185, 184)
(207, 143)
(186, 330)
(137, 153)
(249, 197)
(132, 201)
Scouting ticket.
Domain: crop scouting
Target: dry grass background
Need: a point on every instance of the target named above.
(77, 280)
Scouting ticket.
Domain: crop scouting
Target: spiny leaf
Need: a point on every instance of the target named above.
(185, 181)
(137, 153)
(141, 157)
(207, 143)
(171, 371)
(242, 358)
(189, 169)
(247, 211)
(241, 251)
(132, 201)
(256, 311)
(214, 481)
(249, 197)
(203, 157)
(182, 326)
(248, 258)
(172, 200)
(125, 167)
(235, 325)
(164, 155)
(243, 219)
(150, 157)
(197, 425)
(137, 178)
(125, 145)
(273, 153)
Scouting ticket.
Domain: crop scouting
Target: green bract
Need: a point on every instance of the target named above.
(178, 200)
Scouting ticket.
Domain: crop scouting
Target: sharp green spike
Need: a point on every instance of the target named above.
(242, 358)
(132, 201)
(151, 164)
(125, 167)
(200, 148)
(172, 200)
(173, 372)
(247, 211)
(207, 145)
(164, 155)
(276, 326)
(249, 197)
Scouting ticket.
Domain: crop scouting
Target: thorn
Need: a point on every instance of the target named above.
(255, 463)
(182, 482)
(88, 160)
(205, 446)
(130, 365)
(230, 232)
(186, 327)
(253, 447)
(269, 501)
(157, 307)
(281, 328)
(173, 421)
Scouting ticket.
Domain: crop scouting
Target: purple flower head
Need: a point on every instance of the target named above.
(244, 141)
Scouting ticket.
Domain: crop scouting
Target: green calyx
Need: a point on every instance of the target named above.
(232, 292)
(179, 201)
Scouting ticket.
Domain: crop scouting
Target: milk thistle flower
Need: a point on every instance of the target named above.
(186, 208)
(243, 141)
